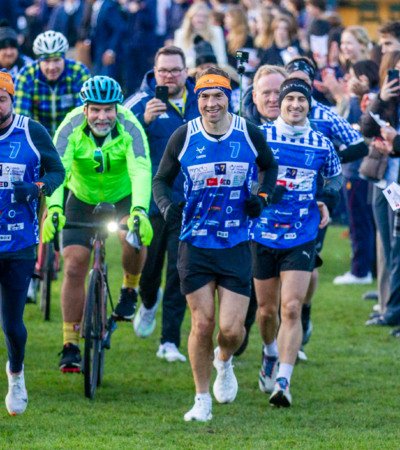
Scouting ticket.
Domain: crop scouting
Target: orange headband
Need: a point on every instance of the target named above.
(6, 83)
(212, 81)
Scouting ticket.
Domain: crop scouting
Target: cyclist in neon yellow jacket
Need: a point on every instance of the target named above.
(105, 153)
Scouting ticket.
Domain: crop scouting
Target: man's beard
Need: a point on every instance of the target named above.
(4, 118)
(101, 132)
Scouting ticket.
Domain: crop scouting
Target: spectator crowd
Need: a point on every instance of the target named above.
(352, 86)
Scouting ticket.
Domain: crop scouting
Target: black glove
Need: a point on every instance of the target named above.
(278, 194)
(25, 192)
(173, 214)
(330, 198)
(254, 205)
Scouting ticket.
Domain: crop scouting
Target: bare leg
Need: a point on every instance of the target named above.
(232, 313)
(76, 264)
(294, 288)
(200, 345)
(312, 287)
(267, 293)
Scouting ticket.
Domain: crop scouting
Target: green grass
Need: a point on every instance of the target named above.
(345, 396)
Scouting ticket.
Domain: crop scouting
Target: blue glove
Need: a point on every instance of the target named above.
(25, 192)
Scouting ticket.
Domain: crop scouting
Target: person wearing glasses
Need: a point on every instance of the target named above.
(105, 153)
(160, 119)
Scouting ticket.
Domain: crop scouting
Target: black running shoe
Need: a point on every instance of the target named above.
(125, 310)
(70, 359)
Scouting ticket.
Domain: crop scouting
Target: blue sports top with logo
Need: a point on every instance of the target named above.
(218, 179)
(19, 160)
(25, 149)
(301, 154)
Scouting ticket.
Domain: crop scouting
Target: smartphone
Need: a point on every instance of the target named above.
(162, 93)
(394, 74)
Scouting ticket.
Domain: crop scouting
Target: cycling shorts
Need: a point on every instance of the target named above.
(78, 211)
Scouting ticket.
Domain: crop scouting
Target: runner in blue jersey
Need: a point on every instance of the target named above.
(29, 167)
(218, 154)
(351, 147)
(284, 236)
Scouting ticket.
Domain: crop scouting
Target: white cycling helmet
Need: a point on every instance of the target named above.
(50, 43)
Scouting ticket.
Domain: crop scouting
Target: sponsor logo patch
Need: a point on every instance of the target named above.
(232, 223)
(220, 169)
(15, 226)
(199, 232)
(303, 212)
(212, 181)
(271, 236)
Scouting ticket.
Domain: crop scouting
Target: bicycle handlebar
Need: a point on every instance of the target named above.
(92, 225)
(56, 240)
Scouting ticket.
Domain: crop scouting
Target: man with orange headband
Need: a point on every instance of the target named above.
(219, 154)
(29, 167)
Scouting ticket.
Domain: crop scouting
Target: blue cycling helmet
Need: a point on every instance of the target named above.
(101, 89)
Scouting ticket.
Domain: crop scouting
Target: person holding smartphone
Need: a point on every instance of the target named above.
(165, 102)
(386, 105)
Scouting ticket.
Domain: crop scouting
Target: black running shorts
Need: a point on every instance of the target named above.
(78, 211)
(269, 262)
(228, 267)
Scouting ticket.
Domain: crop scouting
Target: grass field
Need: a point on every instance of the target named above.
(344, 397)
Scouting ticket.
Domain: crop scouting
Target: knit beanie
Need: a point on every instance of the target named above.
(8, 36)
(295, 85)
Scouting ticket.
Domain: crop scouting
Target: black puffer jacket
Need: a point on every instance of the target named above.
(388, 111)
(249, 108)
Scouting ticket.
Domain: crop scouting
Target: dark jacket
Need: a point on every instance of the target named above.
(249, 108)
(388, 111)
(67, 24)
(273, 55)
(139, 26)
(160, 130)
(108, 32)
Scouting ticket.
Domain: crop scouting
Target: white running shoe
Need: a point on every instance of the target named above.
(30, 296)
(349, 278)
(268, 372)
(201, 411)
(17, 397)
(145, 319)
(281, 394)
(170, 352)
(225, 386)
(301, 355)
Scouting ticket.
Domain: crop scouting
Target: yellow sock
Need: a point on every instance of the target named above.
(131, 281)
(71, 332)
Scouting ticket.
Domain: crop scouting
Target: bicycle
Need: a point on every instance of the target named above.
(47, 266)
(97, 327)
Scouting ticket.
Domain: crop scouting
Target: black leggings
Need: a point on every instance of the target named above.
(15, 276)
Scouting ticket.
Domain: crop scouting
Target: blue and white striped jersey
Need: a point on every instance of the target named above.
(301, 157)
(332, 126)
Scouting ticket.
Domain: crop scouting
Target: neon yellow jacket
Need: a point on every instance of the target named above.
(126, 161)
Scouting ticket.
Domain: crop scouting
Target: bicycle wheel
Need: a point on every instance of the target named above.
(104, 315)
(92, 333)
(45, 285)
